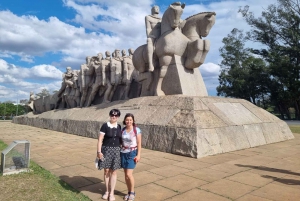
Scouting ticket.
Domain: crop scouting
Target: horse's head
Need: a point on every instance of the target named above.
(177, 9)
(171, 18)
(199, 25)
(206, 24)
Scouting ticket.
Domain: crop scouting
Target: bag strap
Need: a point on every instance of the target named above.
(134, 130)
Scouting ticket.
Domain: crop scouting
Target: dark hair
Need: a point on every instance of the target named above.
(129, 115)
(115, 112)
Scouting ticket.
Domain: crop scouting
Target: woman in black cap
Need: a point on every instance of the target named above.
(108, 152)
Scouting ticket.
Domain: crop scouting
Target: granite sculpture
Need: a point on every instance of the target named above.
(29, 105)
(186, 122)
(166, 65)
(179, 50)
(86, 79)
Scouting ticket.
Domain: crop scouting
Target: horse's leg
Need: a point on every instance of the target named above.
(162, 74)
(196, 53)
(145, 80)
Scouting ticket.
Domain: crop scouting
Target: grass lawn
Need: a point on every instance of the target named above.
(295, 129)
(39, 184)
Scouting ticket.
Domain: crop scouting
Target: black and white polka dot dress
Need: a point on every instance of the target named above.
(110, 147)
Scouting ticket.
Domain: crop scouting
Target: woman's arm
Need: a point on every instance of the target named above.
(99, 145)
(139, 147)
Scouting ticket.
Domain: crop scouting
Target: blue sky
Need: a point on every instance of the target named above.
(40, 38)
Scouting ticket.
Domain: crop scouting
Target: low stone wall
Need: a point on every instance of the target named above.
(186, 125)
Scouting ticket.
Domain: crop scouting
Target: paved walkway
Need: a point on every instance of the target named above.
(269, 172)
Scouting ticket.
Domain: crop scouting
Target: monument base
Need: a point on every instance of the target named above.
(192, 126)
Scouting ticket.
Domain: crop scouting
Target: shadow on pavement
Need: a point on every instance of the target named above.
(91, 184)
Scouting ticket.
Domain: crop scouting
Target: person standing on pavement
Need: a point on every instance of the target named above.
(130, 152)
(108, 152)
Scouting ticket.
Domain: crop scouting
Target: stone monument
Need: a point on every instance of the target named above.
(160, 83)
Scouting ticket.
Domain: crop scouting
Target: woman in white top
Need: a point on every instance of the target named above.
(130, 152)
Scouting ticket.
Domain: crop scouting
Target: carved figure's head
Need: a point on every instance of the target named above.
(69, 69)
(99, 56)
(107, 53)
(88, 59)
(117, 53)
(123, 53)
(130, 51)
(155, 10)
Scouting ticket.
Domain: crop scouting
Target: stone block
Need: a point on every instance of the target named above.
(185, 142)
(208, 142)
(232, 138)
(192, 126)
(254, 135)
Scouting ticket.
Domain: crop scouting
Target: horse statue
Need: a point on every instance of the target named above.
(179, 44)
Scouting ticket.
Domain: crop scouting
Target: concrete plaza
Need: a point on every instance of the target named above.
(264, 173)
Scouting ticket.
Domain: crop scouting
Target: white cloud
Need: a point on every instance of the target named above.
(210, 70)
(36, 72)
(46, 71)
(104, 25)
(13, 84)
(210, 73)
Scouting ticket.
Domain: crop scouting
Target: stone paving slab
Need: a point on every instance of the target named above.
(264, 173)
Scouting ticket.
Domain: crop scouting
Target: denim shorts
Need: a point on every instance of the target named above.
(127, 161)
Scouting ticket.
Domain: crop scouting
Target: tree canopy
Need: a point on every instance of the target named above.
(242, 75)
(277, 76)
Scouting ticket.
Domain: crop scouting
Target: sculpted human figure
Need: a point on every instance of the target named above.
(86, 76)
(72, 94)
(30, 102)
(66, 81)
(68, 77)
(106, 76)
(129, 72)
(115, 72)
(152, 23)
(99, 71)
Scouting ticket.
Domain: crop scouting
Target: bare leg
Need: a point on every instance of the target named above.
(83, 96)
(113, 181)
(112, 92)
(107, 93)
(102, 90)
(77, 100)
(126, 91)
(129, 179)
(106, 181)
(150, 49)
(62, 89)
(162, 74)
(92, 96)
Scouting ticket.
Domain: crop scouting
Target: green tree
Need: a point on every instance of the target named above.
(278, 29)
(9, 110)
(44, 92)
(242, 75)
